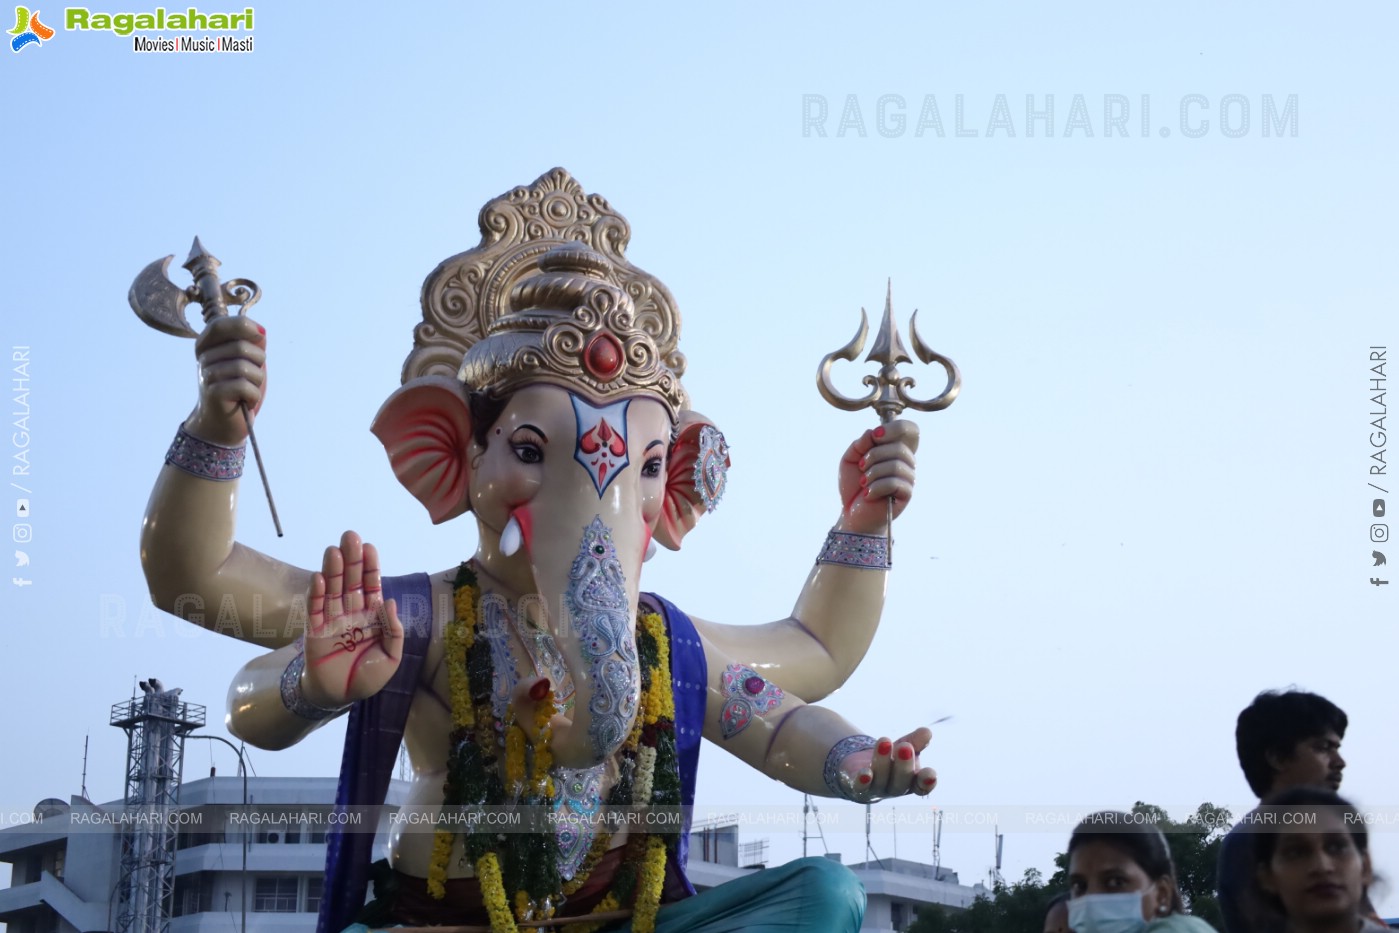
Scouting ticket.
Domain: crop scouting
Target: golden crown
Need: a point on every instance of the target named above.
(549, 296)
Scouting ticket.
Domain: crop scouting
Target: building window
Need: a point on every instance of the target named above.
(190, 839)
(898, 915)
(314, 886)
(275, 895)
(284, 834)
(194, 894)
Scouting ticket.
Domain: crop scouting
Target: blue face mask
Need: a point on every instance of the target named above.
(1107, 913)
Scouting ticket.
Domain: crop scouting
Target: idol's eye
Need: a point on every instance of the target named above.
(528, 444)
(653, 467)
(528, 453)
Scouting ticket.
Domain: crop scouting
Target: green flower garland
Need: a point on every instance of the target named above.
(527, 863)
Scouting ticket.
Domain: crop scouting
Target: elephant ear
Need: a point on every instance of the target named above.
(695, 478)
(425, 428)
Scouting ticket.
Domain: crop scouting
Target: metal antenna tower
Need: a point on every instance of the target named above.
(809, 806)
(155, 725)
(869, 846)
(996, 878)
(84, 790)
(937, 844)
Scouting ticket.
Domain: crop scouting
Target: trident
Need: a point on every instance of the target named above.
(161, 304)
(888, 393)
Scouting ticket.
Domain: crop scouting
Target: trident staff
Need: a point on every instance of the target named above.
(888, 393)
(161, 304)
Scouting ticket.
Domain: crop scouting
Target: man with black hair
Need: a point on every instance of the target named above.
(1284, 739)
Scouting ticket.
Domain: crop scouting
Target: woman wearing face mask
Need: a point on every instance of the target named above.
(1121, 879)
(1313, 879)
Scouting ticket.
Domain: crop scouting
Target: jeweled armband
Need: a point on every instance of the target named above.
(292, 697)
(831, 772)
(203, 459)
(855, 550)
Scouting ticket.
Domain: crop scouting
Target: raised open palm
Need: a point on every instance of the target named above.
(354, 639)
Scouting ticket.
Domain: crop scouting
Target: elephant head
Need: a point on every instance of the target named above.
(566, 432)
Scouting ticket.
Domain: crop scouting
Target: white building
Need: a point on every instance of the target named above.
(65, 868)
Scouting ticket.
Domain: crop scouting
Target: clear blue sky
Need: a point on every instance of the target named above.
(1149, 503)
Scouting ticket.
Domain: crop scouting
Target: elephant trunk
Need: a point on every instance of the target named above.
(586, 563)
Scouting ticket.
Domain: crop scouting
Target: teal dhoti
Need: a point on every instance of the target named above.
(809, 895)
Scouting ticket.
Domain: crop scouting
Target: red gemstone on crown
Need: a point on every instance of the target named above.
(602, 357)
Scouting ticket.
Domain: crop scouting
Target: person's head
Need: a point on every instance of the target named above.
(1290, 739)
(1056, 915)
(1313, 867)
(1120, 873)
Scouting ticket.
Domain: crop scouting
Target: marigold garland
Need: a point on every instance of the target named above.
(493, 893)
(649, 886)
(527, 862)
(514, 760)
(442, 843)
(655, 627)
(461, 632)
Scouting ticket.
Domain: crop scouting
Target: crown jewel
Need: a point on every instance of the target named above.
(549, 296)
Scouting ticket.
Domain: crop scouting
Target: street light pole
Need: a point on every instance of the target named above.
(243, 879)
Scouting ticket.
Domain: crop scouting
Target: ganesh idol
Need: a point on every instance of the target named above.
(542, 395)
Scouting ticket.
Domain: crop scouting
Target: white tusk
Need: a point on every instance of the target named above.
(650, 550)
(511, 538)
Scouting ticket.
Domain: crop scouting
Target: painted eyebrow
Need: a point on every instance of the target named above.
(653, 444)
(530, 427)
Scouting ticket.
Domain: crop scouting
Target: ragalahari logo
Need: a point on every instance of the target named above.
(28, 30)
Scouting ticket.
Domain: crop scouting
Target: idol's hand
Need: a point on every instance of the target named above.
(354, 639)
(232, 370)
(877, 469)
(890, 769)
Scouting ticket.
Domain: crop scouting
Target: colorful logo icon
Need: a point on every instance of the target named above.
(28, 30)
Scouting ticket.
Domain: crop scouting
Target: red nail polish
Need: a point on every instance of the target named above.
(865, 778)
(883, 747)
(539, 691)
(929, 782)
(905, 753)
(262, 330)
(878, 432)
(864, 481)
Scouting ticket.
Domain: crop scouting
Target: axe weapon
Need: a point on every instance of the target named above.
(161, 304)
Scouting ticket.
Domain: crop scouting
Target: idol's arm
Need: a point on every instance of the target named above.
(353, 646)
(809, 748)
(194, 567)
(815, 649)
(257, 712)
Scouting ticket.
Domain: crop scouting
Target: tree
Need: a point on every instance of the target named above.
(1020, 907)
(1011, 908)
